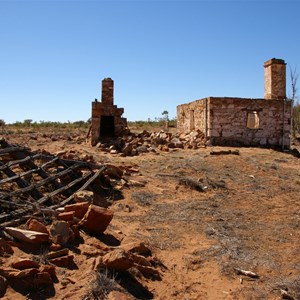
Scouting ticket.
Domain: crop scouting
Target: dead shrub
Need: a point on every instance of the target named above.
(104, 283)
(42, 257)
(143, 198)
(193, 184)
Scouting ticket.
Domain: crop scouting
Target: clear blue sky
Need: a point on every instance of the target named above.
(160, 54)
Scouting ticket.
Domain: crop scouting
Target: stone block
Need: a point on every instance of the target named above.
(66, 216)
(36, 225)
(25, 264)
(63, 261)
(118, 260)
(28, 236)
(96, 219)
(79, 208)
(60, 232)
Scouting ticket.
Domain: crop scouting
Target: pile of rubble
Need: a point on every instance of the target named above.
(135, 144)
(54, 205)
(56, 240)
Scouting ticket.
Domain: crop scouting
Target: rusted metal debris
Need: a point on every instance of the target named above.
(36, 184)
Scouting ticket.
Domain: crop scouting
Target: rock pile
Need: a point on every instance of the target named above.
(145, 142)
(63, 231)
(57, 238)
(129, 255)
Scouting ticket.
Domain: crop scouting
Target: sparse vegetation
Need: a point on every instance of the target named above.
(296, 120)
(42, 257)
(48, 127)
(294, 97)
(143, 198)
(294, 82)
(200, 237)
(47, 124)
(29, 124)
(150, 124)
(103, 284)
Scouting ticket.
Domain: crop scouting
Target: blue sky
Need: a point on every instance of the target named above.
(160, 54)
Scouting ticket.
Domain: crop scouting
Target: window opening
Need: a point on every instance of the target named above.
(253, 120)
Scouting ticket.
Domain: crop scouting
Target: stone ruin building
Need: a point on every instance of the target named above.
(107, 118)
(244, 121)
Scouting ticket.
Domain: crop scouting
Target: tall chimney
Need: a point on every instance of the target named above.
(275, 79)
(107, 91)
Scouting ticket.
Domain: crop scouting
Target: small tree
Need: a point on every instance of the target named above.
(165, 114)
(27, 122)
(296, 120)
(294, 97)
(294, 81)
(2, 123)
(79, 123)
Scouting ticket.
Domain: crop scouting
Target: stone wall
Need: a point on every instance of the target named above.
(192, 116)
(244, 121)
(224, 120)
(107, 118)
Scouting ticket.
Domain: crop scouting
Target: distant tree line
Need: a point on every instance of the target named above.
(29, 123)
(157, 122)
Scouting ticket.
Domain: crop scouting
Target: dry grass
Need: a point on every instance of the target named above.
(248, 218)
(143, 198)
(243, 213)
(42, 257)
(102, 285)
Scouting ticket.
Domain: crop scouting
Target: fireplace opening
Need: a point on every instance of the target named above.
(107, 126)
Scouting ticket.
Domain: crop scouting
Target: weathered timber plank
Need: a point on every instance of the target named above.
(20, 161)
(42, 182)
(93, 178)
(22, 184)
(15, 214)
(60, 190)
(28, 172)
(10, 149)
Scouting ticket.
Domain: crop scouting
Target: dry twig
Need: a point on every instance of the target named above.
(246, 273)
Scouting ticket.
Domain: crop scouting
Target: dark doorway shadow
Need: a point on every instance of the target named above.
(107, 126)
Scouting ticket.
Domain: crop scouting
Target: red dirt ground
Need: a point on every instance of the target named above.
(247, 217)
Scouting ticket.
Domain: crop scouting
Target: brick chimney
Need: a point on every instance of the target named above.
(107, 91)
(107, 120)
(275, 79)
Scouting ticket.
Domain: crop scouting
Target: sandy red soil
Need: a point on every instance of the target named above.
(247, 217)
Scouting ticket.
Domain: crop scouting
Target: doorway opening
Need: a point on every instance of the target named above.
(192, 120)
